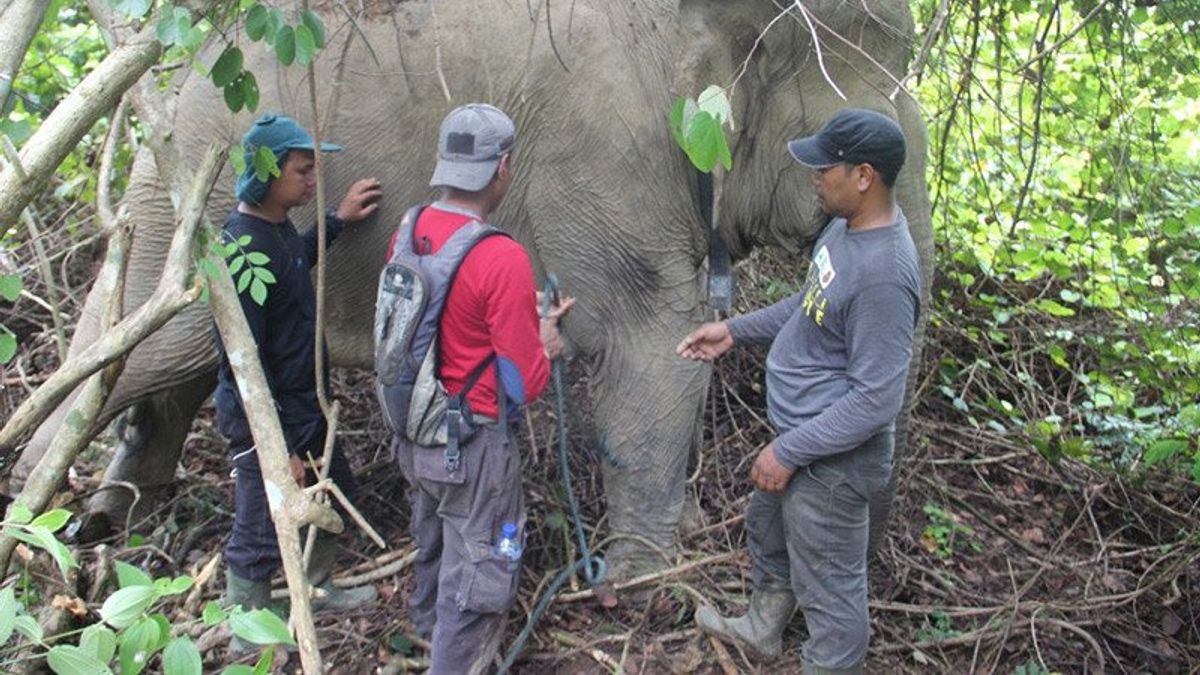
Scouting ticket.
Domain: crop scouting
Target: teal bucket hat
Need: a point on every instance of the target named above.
(280, 133)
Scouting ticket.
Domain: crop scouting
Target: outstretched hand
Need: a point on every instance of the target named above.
(706, 342)
(360, 201)
(552, 340)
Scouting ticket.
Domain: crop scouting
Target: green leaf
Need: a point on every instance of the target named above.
(8, 613)
(244, 280)
(133, 9)
(179, 585)
(263, 667)
(258, 258)
(164, 631)
(675, 120)
(124, 607)
(235, 98)
(129, 575)
(244, 240)
(264, 274)
(72, 660)
(285, 45)
(62, 555)
(10, 287)
(257, 22)
(265, 164)
(238, 669)
(181, 657)
(704, 141)
(18, 131)
(29, 627)
(135, 645)
(237, 155)
(1165, 449)
(1053, 308)
(250, 90)
(260, 627)
(258, 291)
(227, 67)
(212, 614)
(8, 345)
(306, 45)
(19, 513)
(236, 264)
(715, 102)
(53, 520)
(99, 641)
(174, 26)
(315, 26)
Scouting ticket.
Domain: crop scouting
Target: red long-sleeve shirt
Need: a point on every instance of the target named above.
(491, 307)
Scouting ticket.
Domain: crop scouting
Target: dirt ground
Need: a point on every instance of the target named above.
(995, 561)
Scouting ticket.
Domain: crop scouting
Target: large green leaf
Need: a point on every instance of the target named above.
(72, 660)
(227, 66)
(249, 90)
(53, 520)
(265, 164)
(125, 606)
(133, 9)
(235, 97)
(174, 26)
(99, 641)
(129, 575)
(257, 22)
(260, 627)
(306, 45)
(8, 613)
(136, 645)
(8, 345)
(315, 26)
(181, 657)
(715, 101)
(212, 614)
(285, 45)
(10, 287)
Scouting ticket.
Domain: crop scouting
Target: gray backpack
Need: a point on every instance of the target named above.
(408, 312)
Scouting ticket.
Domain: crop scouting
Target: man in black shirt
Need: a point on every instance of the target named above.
(284, 326)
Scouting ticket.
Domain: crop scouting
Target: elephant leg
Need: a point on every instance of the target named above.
(150, 436)
(648, 403)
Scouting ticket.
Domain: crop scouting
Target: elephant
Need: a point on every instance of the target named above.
(602, 197)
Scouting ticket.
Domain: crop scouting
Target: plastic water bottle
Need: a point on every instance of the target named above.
(508, 545)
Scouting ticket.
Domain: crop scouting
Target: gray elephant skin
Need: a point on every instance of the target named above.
(602, 197)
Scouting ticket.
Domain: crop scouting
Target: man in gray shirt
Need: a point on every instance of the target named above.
(840, 351)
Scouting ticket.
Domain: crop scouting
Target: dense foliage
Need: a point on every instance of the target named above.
(1066, 196)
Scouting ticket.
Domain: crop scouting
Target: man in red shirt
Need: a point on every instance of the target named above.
(463, 590)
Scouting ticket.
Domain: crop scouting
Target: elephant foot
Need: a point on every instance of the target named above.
(89, 528)
(631, 556)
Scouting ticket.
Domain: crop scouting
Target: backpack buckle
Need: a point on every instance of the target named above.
(451, 455)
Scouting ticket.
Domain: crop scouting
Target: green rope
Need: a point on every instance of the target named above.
(593, 566)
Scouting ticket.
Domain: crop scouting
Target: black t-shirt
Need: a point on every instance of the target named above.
(283, 327)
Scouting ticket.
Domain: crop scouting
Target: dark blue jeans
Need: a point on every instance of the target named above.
(253, 549)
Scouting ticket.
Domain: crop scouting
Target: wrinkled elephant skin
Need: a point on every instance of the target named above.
(602, 196)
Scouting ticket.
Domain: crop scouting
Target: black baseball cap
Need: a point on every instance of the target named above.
(853, 136)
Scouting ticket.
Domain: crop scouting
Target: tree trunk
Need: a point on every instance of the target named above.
(19, 21)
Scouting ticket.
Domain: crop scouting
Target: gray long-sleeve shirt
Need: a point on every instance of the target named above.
(840, 348)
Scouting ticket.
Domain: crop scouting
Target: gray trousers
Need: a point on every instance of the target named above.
(813, 538)
(462, 592)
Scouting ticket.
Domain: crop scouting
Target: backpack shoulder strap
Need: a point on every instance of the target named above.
(408, 225)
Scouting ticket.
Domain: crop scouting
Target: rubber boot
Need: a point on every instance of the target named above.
(810, 669)
(760, 629)
(320, 572)
(250, 595)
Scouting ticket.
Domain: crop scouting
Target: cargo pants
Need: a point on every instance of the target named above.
(462, 591)
(813, 539)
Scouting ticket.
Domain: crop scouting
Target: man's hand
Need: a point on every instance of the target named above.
(768, 474)
(297, 467)
(706, 342)
(360, 201)
(552, 340)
